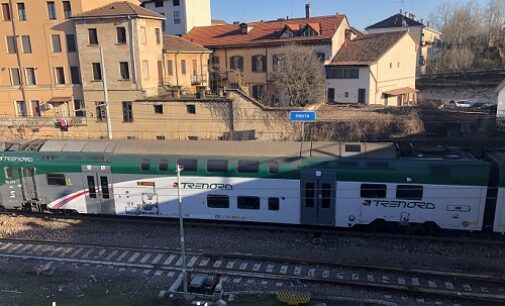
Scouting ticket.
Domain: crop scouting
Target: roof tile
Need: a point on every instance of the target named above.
(176, 43)
(120, 8)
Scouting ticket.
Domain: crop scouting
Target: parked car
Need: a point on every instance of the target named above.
(461, 103)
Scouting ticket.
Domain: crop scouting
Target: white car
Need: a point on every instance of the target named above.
(461, 103)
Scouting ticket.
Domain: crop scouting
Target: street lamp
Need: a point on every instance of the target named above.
(181, 228)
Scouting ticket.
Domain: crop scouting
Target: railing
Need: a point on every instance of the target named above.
(42, 121)
(199, 79)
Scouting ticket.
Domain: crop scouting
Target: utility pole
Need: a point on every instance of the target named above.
(181, 228)
(106, 96)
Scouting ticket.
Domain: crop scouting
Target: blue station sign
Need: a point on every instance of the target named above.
(302, 116)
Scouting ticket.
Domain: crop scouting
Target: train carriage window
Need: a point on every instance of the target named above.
(91, 187)
(373, 191)
(56, 179)
(273, 203)
(190, 165)
(273, 167)
(163, 165)
(217, 165)
(8, 172)
(104, 184)
(326, 195)
(309, 194)
(28, 172)
(409, 192)
(248, 203)
(248, 166)
(353, 148)
(218, 201)
(145, 165)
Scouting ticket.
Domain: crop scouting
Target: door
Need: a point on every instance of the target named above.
(318, 197)
(362, 95)
(98, 187)
(29, 188)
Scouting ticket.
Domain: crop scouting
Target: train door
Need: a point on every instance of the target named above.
(29, 188)
(318, 197)
(97, 183)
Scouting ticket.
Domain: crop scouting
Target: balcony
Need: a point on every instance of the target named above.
(198, 79)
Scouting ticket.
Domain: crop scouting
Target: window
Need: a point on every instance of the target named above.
(56, 43)
(101, 112)
(277, 60)
(163, 23)
(97, 71)
(218, 201)
(162, 163)
(6, 11)
(346, 94)
(104, 184)
(15, 77)
(59, 75)
(56, 180)
(248, 166)
(145, 69)
(190, 165)
(67, 9)
(121, 35)
(217, 165)
(353, 148)
(170, 67)
(79, 108)
(237, 63)
(408, 192)
(160, 138)
(143, 37)
(21, 11)
(158, 109)
(75, 75)
(326, 195)
(273, 203)
(342, 73)
(157, 32)
(177, 2)
(11, 44)
(273, 167)
(91, 187)
(71, 47)
(26, 43)
(191, 109)
(8, 172)
(93, 37)
(35, 108)
(390, 65)
(195, 66)
(127, 112)
(177, 17)
(214, 60)
(51, 10)
(124, 71)
(321, 56)
(193, 138)
(373, 191)
(257, 91)
(21, 108)
(158, 3)
(259, 63)
(331, 94)
(248, 203)
(183, 67)
(30, 76)
(145, 164)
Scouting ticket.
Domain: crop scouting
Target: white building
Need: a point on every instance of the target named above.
(181, 15)
(500, 90)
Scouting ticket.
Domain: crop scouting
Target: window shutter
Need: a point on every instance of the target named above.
(240, 63)
(254, 66)
(264, 60)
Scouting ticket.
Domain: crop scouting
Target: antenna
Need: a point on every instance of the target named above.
(292, 9)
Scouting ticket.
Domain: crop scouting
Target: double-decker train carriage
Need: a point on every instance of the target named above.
(331, 184)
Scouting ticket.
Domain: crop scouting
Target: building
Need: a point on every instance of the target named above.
(500, 102)
(426, 37)
(374, 69)
(131, 41)
(186, 63)
(245, 55)
(181, 15)
(40, 74)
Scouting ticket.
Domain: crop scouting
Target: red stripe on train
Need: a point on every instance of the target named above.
(65, 201)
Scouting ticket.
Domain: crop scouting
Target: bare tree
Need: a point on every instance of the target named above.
(299, 77)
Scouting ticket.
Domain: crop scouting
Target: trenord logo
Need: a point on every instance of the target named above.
(398, 204)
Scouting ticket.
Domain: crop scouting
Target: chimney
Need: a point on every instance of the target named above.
(307, 10)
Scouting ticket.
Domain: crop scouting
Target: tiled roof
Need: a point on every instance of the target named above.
(265, 32)
(121, 8)
(173, 43)
(395, 21)
(366, 49)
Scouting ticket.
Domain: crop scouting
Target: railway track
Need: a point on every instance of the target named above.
(482, 289)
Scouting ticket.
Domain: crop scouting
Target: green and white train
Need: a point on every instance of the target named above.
(331, 184)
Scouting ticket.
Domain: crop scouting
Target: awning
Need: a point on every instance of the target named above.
(400, 91)
(59, 100)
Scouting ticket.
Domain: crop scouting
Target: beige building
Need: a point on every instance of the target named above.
(131, 42)
(245, 55)
(500, 102)
(426, 37)
(374, 69)
(186, 64)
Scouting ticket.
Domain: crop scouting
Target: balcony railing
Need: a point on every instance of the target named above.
(198, 79)
(42, 121)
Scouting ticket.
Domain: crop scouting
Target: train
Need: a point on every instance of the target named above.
(331, 184)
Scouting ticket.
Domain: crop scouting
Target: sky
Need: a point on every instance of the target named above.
(361, 13)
